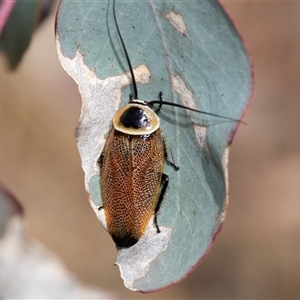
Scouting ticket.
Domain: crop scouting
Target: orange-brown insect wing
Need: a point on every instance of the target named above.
(130, 181)
(148, 161)
(116, 184)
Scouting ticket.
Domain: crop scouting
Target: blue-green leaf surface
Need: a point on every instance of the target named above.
(191, 52)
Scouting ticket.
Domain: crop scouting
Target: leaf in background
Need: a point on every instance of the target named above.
(23, 20)
(9, 207)
(27, 269)
(191, 52)
(6, 6)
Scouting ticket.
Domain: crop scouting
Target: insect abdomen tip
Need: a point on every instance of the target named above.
(125, 241)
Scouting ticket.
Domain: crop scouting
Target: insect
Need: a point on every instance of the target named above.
(131, 164)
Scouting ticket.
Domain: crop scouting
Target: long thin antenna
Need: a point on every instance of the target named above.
(135, 92)
(192, 109)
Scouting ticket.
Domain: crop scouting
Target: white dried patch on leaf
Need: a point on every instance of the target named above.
(225, 160)
(200, 132)
(177, 21)
(187, 99)
(99, 212)
(222, 216)
(135, 262)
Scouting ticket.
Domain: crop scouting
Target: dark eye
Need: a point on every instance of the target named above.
(134, 117)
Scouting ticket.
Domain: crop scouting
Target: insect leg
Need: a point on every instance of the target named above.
(171, 162)
(160, 95)
(100, 160)
(165, 180)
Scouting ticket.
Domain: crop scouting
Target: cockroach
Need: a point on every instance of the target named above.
(131, 165)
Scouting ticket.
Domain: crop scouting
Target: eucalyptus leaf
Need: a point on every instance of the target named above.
(191, 51)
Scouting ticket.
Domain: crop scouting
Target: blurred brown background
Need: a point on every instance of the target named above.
(257, 254)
